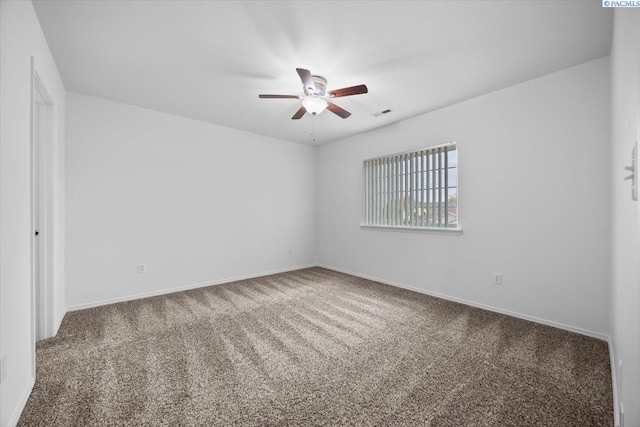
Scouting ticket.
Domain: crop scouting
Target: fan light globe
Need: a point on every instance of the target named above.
(314, 105)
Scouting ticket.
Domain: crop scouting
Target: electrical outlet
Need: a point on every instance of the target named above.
(3, 367)
(290, 251)
(497, 278)
(142, 268)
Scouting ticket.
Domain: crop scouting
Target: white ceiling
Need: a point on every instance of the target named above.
(209, 60)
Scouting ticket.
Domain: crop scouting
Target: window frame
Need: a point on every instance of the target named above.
(410, 228)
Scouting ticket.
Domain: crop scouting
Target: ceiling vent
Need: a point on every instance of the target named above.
(382, 113)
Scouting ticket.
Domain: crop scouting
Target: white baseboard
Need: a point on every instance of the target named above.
(182, 288)
(59, 322)
(614, 384)
(598, 335)
(15, 417)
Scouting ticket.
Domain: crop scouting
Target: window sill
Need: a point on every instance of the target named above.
(449, 231)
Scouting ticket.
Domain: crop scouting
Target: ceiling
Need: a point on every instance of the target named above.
(209, 60)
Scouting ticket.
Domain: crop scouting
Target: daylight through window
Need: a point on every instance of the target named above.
(418, 189)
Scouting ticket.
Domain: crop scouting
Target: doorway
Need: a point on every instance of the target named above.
(42, 139)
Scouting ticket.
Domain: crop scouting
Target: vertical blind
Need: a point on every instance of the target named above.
(418, 189)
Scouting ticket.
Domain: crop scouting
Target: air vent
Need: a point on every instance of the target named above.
(382, 113)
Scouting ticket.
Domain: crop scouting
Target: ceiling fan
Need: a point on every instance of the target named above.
(316, 98)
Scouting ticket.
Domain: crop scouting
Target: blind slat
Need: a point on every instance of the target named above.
(436, 159)
(375, 187)
(421, 178)
(439, 155)
(366, 193)
(394, 198)
(446, 187)
(412, 189)
(424, 204)
(370, 195)
(388, 191)
(433, 189)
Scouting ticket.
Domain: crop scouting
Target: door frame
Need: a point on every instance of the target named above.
(42, 198)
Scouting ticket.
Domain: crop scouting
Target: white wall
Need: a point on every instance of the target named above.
(534, 181)
(20, 38)
(193, 201)
(625, 129)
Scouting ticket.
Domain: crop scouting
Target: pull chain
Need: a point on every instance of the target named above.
(313, 128)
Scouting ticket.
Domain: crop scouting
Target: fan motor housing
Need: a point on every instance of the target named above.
(321, 86)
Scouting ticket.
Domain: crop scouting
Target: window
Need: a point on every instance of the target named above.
(418, 189)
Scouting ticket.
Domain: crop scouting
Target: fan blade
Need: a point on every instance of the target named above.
(348, 91)
(299, 114)
(339, 111)
(305, 76)
(279, 96)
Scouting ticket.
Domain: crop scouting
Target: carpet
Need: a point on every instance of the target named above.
(314, 347)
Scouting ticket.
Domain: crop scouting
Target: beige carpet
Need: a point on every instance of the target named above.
(314, 347)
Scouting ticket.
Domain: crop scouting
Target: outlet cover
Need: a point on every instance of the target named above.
(142, 268)
(497, 278)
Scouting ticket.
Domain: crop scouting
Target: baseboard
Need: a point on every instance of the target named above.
(614, 383)
(15, 417)
(598, 335)
(183, 288)
(59, 322)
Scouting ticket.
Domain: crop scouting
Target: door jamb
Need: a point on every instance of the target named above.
(40, 94)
